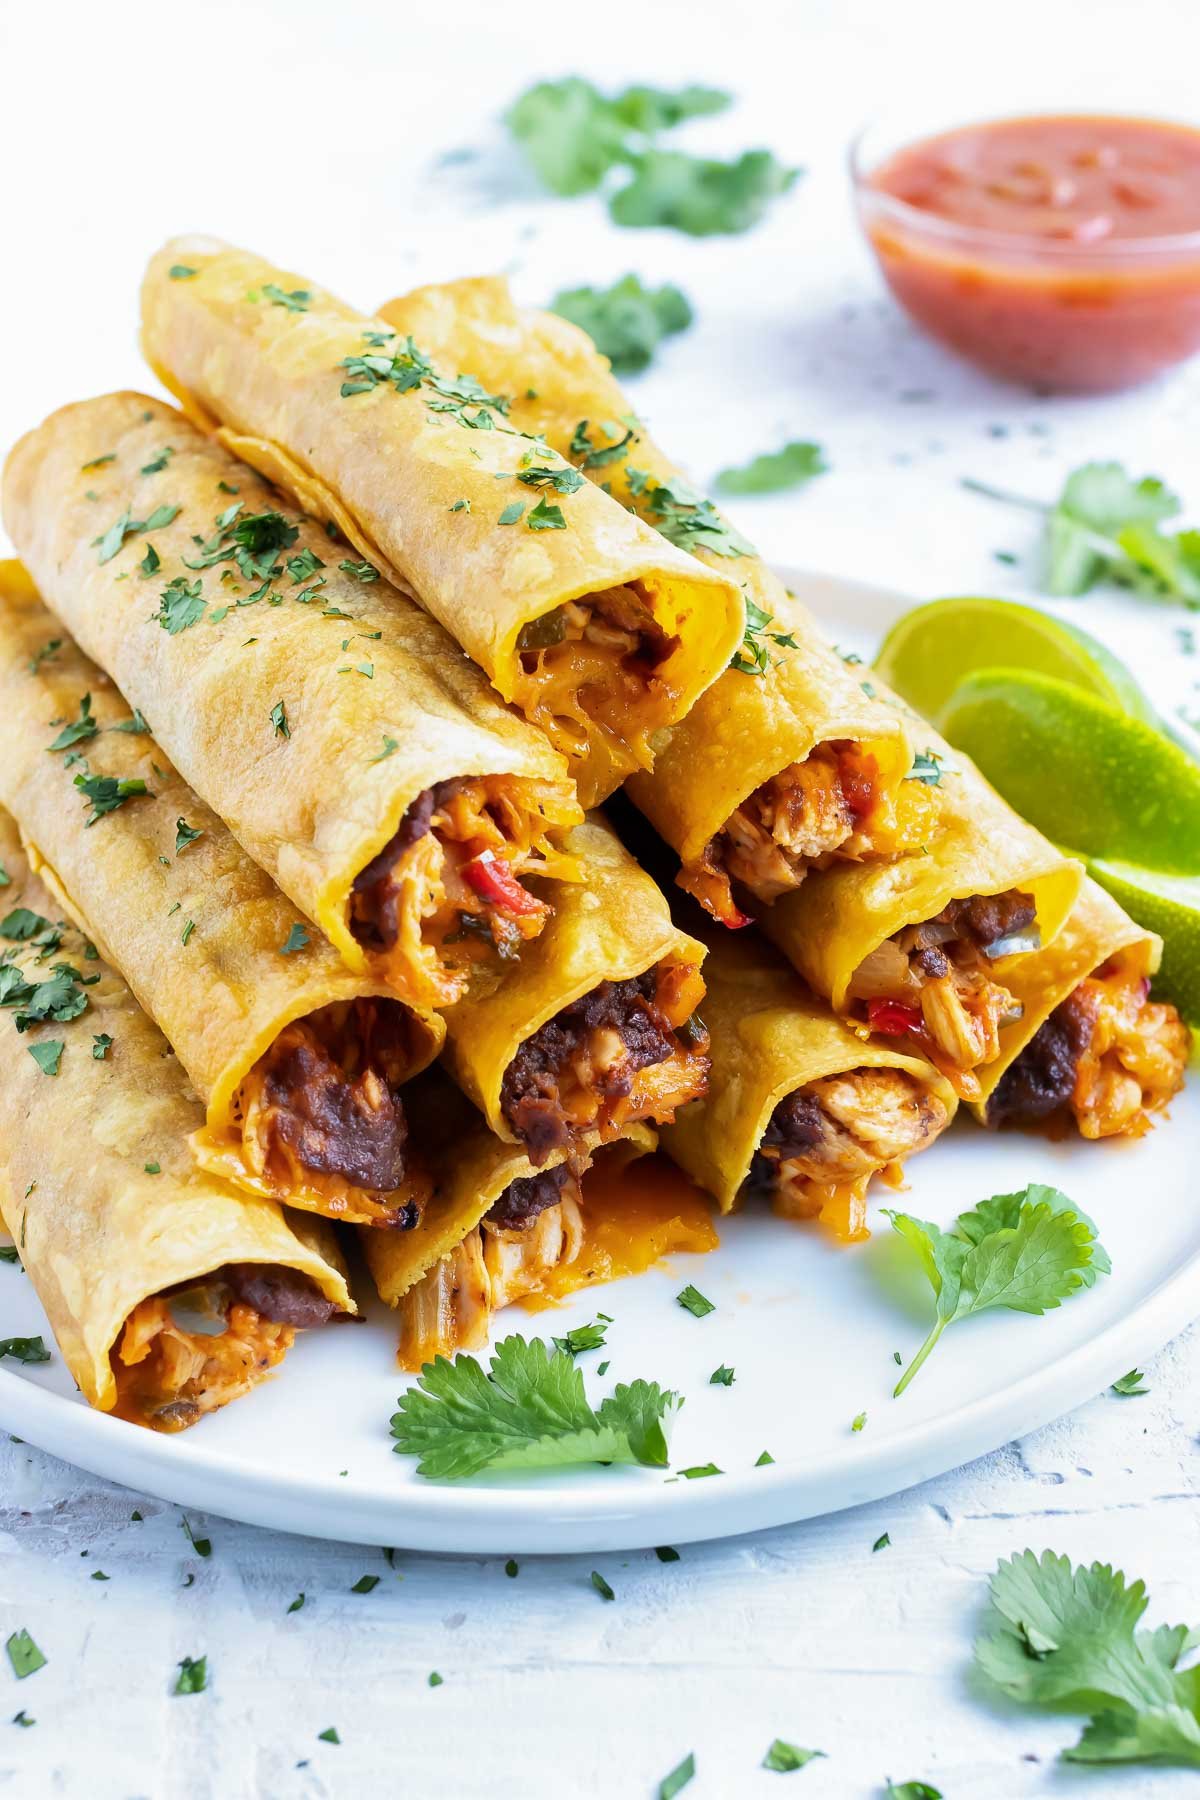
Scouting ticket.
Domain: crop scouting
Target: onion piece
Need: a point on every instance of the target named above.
(1017, 943)
(884, 974)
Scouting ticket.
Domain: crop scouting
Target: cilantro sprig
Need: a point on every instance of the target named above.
(529, 1411)
(792, 466)
(1028, 1251)
(752, 656)
(626, 321)
(1068, 1638)
(684, 517)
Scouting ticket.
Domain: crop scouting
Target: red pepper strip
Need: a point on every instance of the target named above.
(893, 1018)
(494, 882)
(734, 919)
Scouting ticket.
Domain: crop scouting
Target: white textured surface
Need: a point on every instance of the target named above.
(312, 131)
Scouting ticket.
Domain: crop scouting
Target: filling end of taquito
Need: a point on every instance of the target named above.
(846, 802)
(319, 1121)
(597, 675)
(1107, 1058)
(444, 905)
(825, 1143)
(937, 984)
(547, 1236)
(626, 1051)
(195, 1347)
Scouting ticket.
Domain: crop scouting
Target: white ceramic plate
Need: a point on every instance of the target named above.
(809, 1328)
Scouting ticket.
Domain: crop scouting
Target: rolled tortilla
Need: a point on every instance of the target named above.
(421, 469)
(1090, 1045)
(497, 1230)
(736, 789)
(314, 709)
(299, 1061)
(862, 1105)
(109, 1212)
(559, 1051)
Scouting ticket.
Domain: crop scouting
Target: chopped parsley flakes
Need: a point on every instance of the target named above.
(693, 1301)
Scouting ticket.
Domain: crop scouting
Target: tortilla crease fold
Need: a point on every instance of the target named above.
(745, 728)
(1097, 929)
(770, 1036)
(471, 1169)
(411, 479)
(614, 928)
(310, 728)
(98, 1188)
(197, 929)
(842, 913)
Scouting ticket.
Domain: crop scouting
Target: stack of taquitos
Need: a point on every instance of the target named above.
(169, 1291)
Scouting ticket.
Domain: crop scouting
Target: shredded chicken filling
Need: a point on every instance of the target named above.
(1108, 1055)
(826, 1142)
(451, 1307)
(447, 893)
(933, 983)
(596, 666)
(321, 1119)
(835, 805)
(627, 1051)
(192, 1350)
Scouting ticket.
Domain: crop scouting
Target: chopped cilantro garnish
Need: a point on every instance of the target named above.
(134, 726)
(181, 272)
(434, 1679)
(47, 650)
(529, 1411)
(762, 1460)
(573, 135)
(193, 1676)
(512, 512)
(101, 1045)
(546, 517)
(79, 730)
(911, 1790)
(583, 1337)
(202, 1546)
(700, 195)
(753, 656)
(180, 605)
(159, 462)
(306, 562)
(126, 526)
(461, 506)
(297, 301)
(686, 518)
(783, 1758)
(297, 1603)
(858, 1421)
(390, 747)
(798, 462)
(927, 767)
(23, 1718)
(365, 1584)
(512, 1568)
(98, 462)
(693, 1301)
(1130, 1384)
(882, 1543)
(677, 1780)
(563, 481)
(329, 1735)
(189, 927)
(24, 1655)
(24, 927)
(151, 563)
(666, 1554)
(627, 321)
(601, 1586)
(297, 939)
(106, 793)
(599, 456)
(47, 1055)
(279, 720)
(699, 1470)
(722, 1377)
(25, 1350)
(184, 835)
(361, 571)
(1029, 1251)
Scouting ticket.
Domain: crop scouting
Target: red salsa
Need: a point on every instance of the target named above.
(1063, 251)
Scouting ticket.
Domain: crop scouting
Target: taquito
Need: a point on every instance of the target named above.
(593, 625)
(300, 1062)
(344, 738)
(169, 1292)
(920, 947)
(788, 762)
(801, 1110)
(595, 1027)
(1091, 1048)
(498, 1230)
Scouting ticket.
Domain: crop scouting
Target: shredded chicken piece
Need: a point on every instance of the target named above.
(833, 805)
(445, 896)
(451, 1308)
(848, 1129)
(1134, 1059)
(593, 669)
(168, 1378)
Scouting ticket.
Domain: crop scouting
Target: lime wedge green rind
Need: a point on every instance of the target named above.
(1170, 905)
(929, 651)
(1079, 769)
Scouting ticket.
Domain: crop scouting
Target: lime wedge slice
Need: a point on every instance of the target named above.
(931, 649)
(1170, 905)
(1079, 769)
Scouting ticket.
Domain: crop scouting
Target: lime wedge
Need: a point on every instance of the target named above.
(1170, 905)
(1083, 772)
(931, 649)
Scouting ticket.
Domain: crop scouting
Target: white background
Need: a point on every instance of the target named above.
(314, 134)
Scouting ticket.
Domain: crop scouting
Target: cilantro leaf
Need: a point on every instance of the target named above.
(911, 1790)
(693, 1301)
(546, 516)
(700, 195)
(193, 1676)
(584, 1337)
(79, 730)
(1067, 1637)
(106, 793)
(297, 939)
(1028, 1251)
(60, 997)
(651, 110)
(529, 1411)
(184, 835)
(23, 1654)
(25, 1350)
(572, 134)
(180, 605)
(678, 1779)
(752, 656)
(297, 301)
(796, 463)
(627, 321)
(784, 1757)
(1130, 1384)
(47, 1055)
(685, 518)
